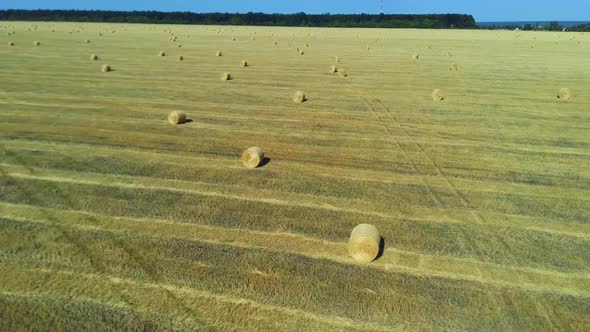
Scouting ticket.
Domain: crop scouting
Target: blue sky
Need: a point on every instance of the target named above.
(483, 10)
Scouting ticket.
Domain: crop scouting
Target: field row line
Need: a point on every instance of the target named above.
(352, 174)
(394, 260)
(88, 280)
(286, 199)
(439, 142)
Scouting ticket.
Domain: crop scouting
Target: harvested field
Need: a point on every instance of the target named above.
(111, 218)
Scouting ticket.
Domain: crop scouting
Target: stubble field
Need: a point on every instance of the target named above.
(111, 218)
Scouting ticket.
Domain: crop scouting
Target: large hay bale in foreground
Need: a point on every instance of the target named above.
(564, 94)
(299, 97)
(437, 95)
(226, 76)
(252, 157)
(176, 117)
(106, 68)
(364, 243)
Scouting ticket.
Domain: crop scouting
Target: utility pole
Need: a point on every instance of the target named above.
(381, 6)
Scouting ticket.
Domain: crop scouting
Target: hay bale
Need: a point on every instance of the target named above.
(363, 245)
(226, 76)
(564, 94)
(176, 118)
(10, 44)
(333, 69)
(106, 68)
(87, 41)
(252, 157)
(415, 56)
(337, 59)
(454, 67)
(94, 57)
(180, 58)
(244, 63)
(218, 53)
(299, 97)
(301, 52)
(342, 73)
(36, 43)
(179, 46)
(437, 95)
(162, 53)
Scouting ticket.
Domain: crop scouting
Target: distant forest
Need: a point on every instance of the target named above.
(551, 26)
(443, 21)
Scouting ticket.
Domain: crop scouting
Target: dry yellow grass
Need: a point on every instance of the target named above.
(438, 95)
(299, 97)
(252, 157)
(564, 94)
(364, 243)
(226, 76)
(176, 117)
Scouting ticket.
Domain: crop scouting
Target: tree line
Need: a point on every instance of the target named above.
(433, 21)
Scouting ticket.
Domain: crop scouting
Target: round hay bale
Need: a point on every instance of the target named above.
(364, 243)
(437, 95)
(94, 57)
(176, 118)
(342, 73)
(218, 53)
(180, 58)
(87, 41)
(337, 59)
(106, 68)
(301, 52)
(226, 76)
(276, 43)
(244, 63)
(252, 157)
(10, 44)
(454, 67)
(179, 46)
(415, 56)
(564, 94)
(299, 97)
(36, 43)
(333, 69)
(162, 53)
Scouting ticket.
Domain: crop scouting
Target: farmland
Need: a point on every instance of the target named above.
(112, 218)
